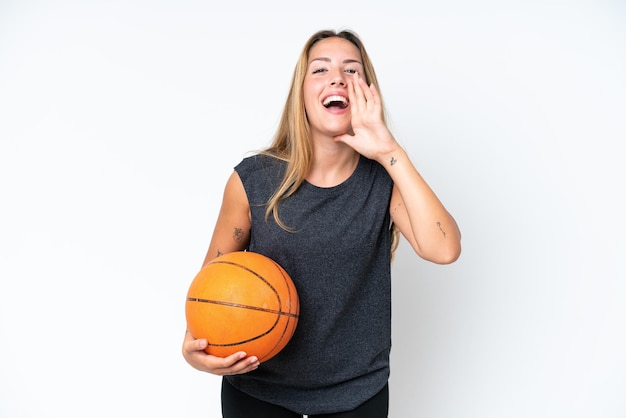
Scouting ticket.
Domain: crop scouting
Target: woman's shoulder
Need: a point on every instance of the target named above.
(261, 169)
(259, 161)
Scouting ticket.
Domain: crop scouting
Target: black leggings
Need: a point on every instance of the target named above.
(236, 404)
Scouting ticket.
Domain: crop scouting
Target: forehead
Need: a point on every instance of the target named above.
(334, 48)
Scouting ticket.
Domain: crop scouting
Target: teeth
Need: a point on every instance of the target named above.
(331, 99)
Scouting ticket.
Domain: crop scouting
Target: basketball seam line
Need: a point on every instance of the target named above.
(238, 305)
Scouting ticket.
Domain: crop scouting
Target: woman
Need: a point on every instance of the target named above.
(325, 201)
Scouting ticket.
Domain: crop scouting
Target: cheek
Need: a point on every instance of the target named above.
(311, 92)
(310, 101)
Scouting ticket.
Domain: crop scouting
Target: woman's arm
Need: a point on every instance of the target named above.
(231, 233)
(232, 229)
(415, 209)
(418, 213)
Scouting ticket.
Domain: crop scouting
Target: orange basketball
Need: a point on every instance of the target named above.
(243, 301)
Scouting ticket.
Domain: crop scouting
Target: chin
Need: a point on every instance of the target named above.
(340, 130)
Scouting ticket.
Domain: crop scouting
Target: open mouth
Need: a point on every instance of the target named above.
(335, 101)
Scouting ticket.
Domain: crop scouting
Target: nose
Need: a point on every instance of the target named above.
(338, 80)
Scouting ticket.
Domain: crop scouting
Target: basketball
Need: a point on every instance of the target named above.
(243, 301)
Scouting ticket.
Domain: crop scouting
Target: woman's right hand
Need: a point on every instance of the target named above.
(237, 363)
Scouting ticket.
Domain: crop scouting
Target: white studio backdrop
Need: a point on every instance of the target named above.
(120, 122)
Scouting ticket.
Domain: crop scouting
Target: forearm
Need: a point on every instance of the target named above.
(422, 218)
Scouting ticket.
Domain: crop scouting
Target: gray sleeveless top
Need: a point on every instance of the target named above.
(339, 259)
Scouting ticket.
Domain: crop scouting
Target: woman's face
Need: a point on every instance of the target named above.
(332, 62)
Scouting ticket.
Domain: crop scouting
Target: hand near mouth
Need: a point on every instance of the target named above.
(370, 136)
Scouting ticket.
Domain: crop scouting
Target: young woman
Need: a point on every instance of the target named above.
(326, 201)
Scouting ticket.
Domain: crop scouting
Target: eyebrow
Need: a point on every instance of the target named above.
(346, 61)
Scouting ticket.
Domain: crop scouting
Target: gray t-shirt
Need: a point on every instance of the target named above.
(338, 256)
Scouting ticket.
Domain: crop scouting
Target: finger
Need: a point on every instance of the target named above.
(238, 363)
(199, 345)
(231, 360)
(190, 344)
(375, 97)
(366, 91)
(247, 365)
(352, 96)
(358, 89)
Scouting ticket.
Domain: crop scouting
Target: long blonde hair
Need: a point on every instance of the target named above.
(292, 140)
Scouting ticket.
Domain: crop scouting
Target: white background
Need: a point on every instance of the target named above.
(121, 120)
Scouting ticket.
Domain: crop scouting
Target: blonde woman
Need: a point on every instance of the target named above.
(326, 201)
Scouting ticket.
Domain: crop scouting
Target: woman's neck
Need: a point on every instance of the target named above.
(333, 163)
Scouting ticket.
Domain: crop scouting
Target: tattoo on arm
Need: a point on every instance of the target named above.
(238, 234)
(219, 253)
(395, 208)
(441, 229)
(393, 161)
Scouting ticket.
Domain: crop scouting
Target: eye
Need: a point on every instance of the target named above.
(318, 70)
(351, 71)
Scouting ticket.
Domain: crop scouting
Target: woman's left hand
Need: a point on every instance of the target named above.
(370, 136)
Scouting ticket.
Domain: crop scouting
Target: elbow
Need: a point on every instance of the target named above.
(447, 254)
(449, 257)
